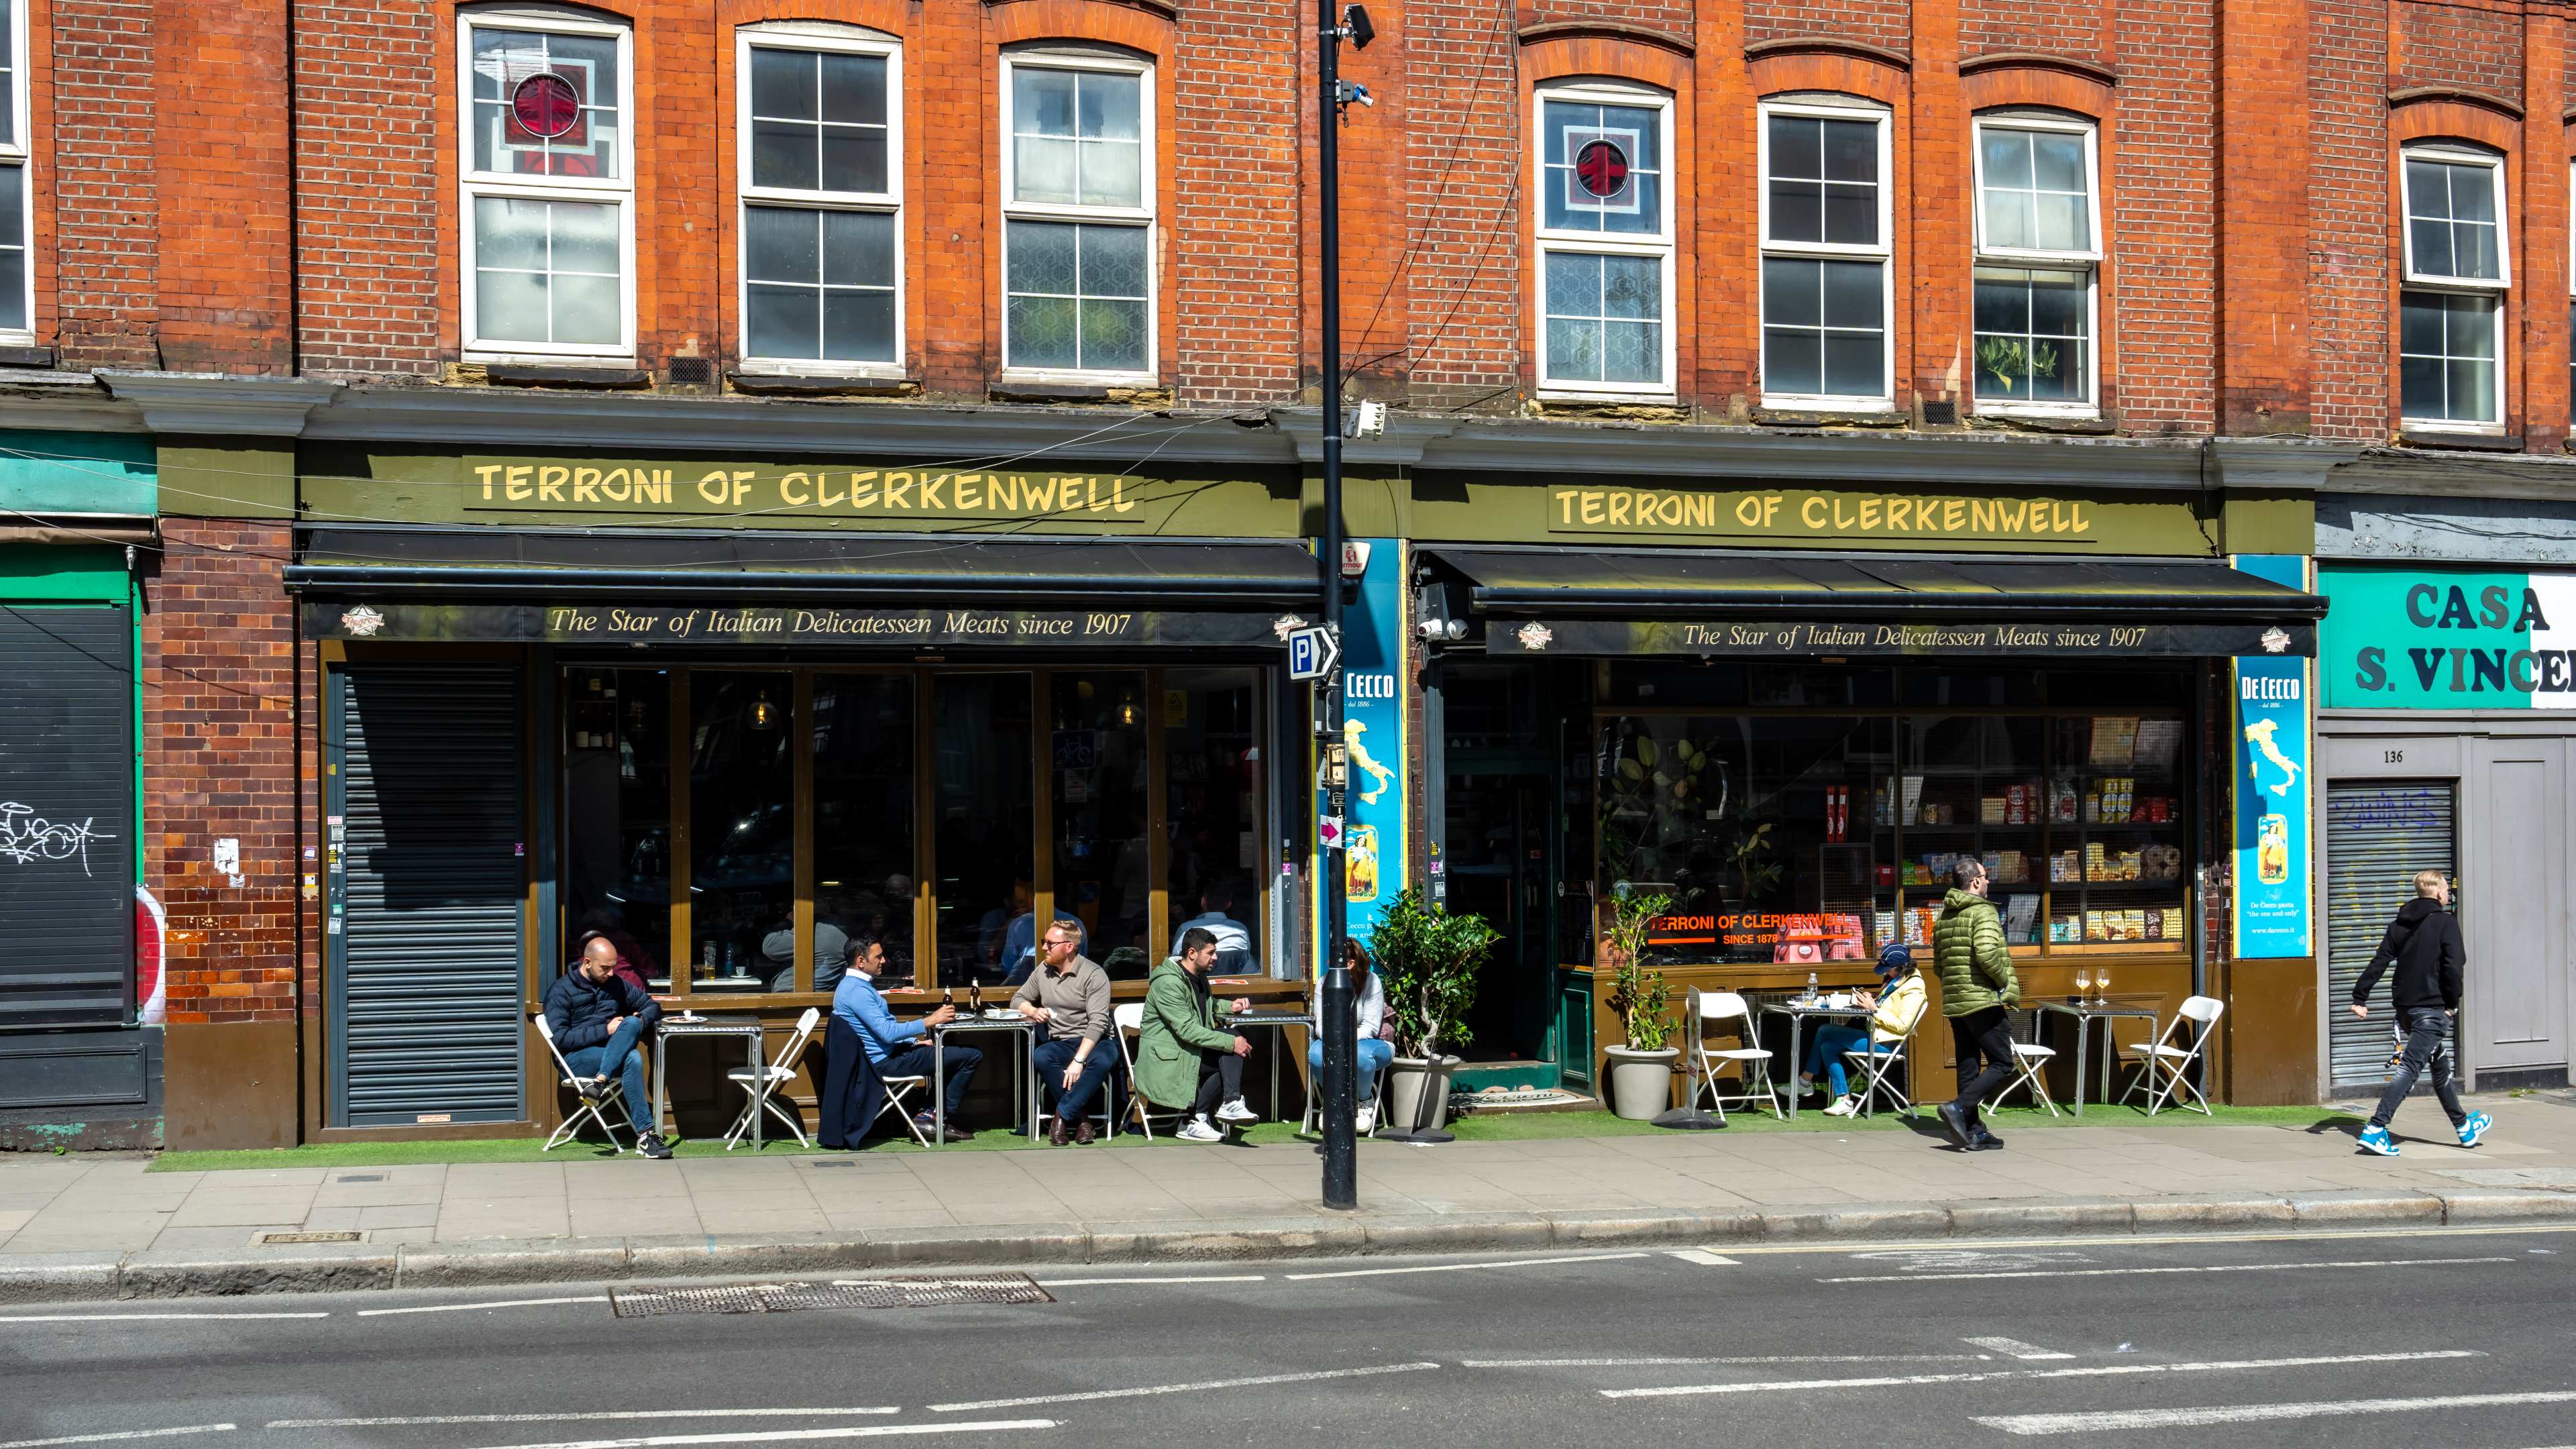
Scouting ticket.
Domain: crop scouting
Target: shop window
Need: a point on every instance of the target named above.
(820, 127)
(2038, 253)
(1078, 215)
(2450, 358)
(742, 830)
(1792, 837)
(1605, 236)
(548, 183)
(1212, 774)
(17, 298)
(980, 734)
(616, 750)
(864, 883)
(1098, 787)
(1825, 256)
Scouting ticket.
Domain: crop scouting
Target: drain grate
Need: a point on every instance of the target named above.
(798, 1297)
(335, 1237)
(360, 1177)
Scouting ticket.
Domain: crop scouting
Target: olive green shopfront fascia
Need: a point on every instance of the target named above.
(731, 707)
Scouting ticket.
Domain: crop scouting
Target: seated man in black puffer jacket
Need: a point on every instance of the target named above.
(598, 1018)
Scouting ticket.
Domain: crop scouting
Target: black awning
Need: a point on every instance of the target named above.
(724, 567)
(1719, 601)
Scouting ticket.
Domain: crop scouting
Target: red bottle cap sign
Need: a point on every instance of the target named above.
(1602, 168)
(545, 104)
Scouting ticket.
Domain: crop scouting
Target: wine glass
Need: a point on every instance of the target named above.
(2083, 982)
(2102, 986)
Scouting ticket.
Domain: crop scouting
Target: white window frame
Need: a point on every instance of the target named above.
(19, 151)
(2087, 260)
(810, 36)
(1144, 213)
(1884, 253)
(1659, 246)
(473, 184)
(2497, 288)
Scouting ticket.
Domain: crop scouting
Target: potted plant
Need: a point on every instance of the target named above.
(1641, 1070)
(1427, 960)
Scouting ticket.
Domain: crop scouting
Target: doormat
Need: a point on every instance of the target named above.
(1519, 1099)
(840, 1293)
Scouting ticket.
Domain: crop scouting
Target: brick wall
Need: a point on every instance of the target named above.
(1875, 22)
(368, 87)
(93, 108)
(2349, 208)
(219, 732)
(2163, 221)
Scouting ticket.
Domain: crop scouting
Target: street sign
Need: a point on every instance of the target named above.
(1312, 653)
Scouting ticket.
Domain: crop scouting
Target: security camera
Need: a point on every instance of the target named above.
(1356, 27)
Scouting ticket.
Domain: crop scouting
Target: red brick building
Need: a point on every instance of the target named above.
(2210, 263)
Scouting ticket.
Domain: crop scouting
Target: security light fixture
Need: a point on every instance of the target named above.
(1356, 27)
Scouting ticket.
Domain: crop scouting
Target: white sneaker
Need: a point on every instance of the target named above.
(1198, 1130)
(1842, 1107)
(1366, 1122)
(1236, 1111)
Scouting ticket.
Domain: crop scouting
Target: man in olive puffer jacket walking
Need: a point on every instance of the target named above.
(1978, 990)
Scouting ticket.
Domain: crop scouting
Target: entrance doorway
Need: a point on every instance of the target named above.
(1498, 862)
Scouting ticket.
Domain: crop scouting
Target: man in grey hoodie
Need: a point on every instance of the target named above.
(2423, 943)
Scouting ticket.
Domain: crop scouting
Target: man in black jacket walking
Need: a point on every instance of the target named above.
(2424, 944)
(598, 1017)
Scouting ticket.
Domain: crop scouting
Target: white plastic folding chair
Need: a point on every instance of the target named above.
(1128, 1019)
(2030, 1059)
(897, 1089)
(759, 1096)
(1880, 1070)
(1752, 1063)
(1313, 1118)
(591, 1108)
(2165, 1067)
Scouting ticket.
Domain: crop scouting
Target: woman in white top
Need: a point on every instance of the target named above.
(1368, 998)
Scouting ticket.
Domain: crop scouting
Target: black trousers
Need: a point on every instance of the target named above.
(1220, 1081)
(1981, 1036)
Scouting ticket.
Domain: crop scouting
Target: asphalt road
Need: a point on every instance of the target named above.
(2455, 1339)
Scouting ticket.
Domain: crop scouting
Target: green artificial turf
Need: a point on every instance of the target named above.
(1486, 1127)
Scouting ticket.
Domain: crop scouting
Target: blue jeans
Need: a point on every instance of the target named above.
(1053, 1056)
(1374, 1054)
(1825, 1053)
(2428, 1043)
(617, 1057)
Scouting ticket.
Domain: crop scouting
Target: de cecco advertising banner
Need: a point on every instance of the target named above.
(2447, 639)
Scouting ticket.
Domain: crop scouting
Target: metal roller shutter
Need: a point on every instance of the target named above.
(2378, 834)
(427, 973)
(66, 816)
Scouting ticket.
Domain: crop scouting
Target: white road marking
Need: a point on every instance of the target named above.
(1701, 1256)
(780, 1436)
(2254, 1413)
(2142, 1272)
(1086, 1397)
(1524, 1363)
(127, 1434)
(140, 1318)
(1096, 1282)
(2015, 1348)
(469, 1307)
(2147, 1240)
(2106, 1371)
(611, 1414)
(1463, 1267)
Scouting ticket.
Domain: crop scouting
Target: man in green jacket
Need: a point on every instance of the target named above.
(1978, 991)
(1183, 1058)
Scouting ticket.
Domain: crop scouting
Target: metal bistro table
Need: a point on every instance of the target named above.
(745, 1027)
(1022, 1065)
(1281, 1021)
(2085, 1014)
(1798, 1009)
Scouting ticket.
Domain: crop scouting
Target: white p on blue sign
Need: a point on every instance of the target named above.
(1312, 653)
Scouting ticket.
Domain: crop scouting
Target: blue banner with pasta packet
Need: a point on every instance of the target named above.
(2272, 789)
(1376, 682)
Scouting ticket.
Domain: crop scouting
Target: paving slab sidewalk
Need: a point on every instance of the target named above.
(80, 1227)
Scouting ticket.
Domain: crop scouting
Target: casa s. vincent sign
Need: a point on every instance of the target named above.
(2448, 639)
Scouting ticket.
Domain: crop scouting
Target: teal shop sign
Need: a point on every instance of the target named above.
(2447, 639)
(57, 474)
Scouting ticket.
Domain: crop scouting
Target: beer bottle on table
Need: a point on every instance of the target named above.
(975, 997)
(948, 998)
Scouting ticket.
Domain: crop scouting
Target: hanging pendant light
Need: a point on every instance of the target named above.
(764, 715)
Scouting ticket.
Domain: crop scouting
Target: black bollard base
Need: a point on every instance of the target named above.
(1686, 1119)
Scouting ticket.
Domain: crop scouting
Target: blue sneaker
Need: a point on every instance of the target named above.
(2474, 1130)
(2375, 1139)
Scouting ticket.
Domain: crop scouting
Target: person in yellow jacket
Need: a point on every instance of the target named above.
(1893, 1009)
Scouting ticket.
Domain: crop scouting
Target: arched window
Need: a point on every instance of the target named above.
(1605, 239)
(2039, 254)
(819, 120)
(1825, 254)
